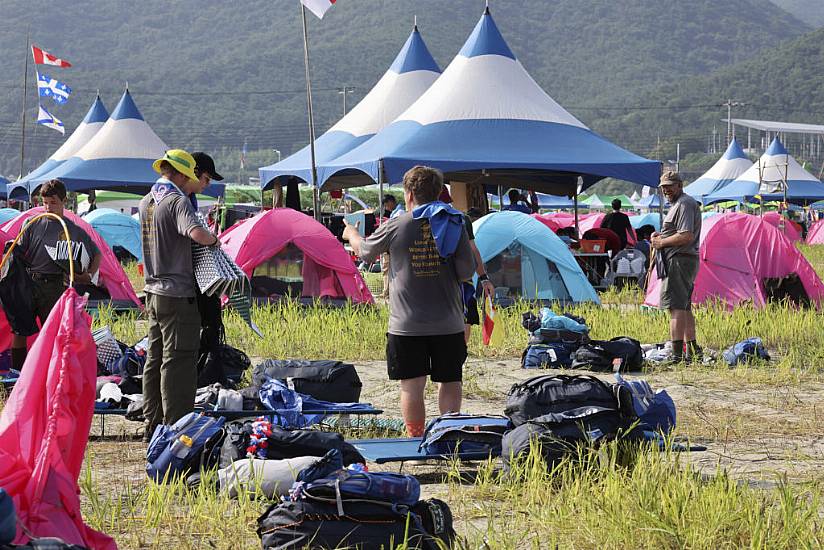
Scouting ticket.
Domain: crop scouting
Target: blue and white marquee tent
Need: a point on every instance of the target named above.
(118, 157)
(88, 128)
(526, 258)
(766, 178)
(486, 114)
(412, 72)
(725, 171)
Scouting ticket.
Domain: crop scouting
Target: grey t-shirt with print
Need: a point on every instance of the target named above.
(47, 232)
(684, 215)
(425, 296)
(167, 247)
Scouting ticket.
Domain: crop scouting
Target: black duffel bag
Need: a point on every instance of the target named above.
(285, 444)
(563, 433)
(598, 355)
(325, 380)
(224, 365)
(364, 524)
(556, 393)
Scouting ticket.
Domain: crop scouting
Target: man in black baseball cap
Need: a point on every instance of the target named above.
(205, 172)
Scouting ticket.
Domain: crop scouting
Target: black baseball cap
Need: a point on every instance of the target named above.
(205, 163)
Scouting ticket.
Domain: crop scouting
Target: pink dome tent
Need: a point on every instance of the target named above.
(282, 248)
(791, 230)
(816, 233)
(591, 221)
(738, 253)
(112, 276)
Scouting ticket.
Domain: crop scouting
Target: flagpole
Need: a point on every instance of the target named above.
(315, 191)
(23, 115)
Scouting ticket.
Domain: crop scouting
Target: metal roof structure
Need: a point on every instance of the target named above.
(783, 127)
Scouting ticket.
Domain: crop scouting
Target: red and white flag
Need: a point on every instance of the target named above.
(318, 7)
(42, 57)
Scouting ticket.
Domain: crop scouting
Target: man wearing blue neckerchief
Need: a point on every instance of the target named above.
(429, 256)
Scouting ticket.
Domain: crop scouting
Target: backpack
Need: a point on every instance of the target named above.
(222, 364)
(285, 444)
(365, 524)
(188, 444)
(746, 350)
(655, 410)
(561, 434)
(324, 380)
(598, 355)
(556, 393)
(465, 433)
(129, 364)
(548, 356)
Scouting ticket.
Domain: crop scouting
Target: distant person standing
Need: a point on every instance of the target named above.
(38, 246)
(429, 258)
(389, 205)
(618, 222)
(169, 225)
(516, 202)
(677, 264)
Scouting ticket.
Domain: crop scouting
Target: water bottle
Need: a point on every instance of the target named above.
(181, 446)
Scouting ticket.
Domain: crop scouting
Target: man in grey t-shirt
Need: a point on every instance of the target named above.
(169, 225)
(677, 244)
(429, 256)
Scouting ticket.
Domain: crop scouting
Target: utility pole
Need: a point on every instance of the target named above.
(23, 116)
(344, 91)
(729, 105)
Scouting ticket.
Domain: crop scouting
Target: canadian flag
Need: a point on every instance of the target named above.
(318, 7)
(42, 57)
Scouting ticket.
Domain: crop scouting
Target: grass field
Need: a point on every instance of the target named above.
(760, 486)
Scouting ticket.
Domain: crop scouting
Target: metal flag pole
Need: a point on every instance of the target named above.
(315, 191)
(23, 115)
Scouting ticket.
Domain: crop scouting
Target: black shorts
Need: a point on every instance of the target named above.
(439, 357)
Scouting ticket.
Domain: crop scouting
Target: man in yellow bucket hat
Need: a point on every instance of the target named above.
(169, 224)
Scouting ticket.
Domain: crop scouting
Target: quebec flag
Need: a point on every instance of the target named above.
(50, 87)
(46, 119)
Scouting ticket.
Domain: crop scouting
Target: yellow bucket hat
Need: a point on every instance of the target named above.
(182, 161)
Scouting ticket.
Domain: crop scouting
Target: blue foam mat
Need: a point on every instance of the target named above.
(381, 451)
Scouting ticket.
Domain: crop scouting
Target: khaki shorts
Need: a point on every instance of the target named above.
(676, 289)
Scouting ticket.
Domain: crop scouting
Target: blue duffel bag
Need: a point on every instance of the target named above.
(555, 355)
(464, 433)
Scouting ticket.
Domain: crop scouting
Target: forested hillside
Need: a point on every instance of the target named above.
(809, 11)
(211, 74)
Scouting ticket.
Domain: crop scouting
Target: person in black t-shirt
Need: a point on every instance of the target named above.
(618, 222)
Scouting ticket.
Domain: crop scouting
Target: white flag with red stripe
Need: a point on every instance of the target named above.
(42, 57)
(318, 7)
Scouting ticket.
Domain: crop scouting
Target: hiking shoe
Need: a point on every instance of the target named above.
(694, 354)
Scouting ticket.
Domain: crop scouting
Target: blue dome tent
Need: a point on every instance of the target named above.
(412, 72)
(7, 214)
(650, 218)
(94, 120)
(485, 114)
(117, 229)
(526, 258)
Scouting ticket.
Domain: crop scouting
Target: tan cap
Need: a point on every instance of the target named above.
(671, 178)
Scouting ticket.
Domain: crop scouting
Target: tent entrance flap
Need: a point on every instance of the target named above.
(541, 278)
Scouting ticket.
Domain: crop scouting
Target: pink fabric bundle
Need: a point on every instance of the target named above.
(44, 428)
